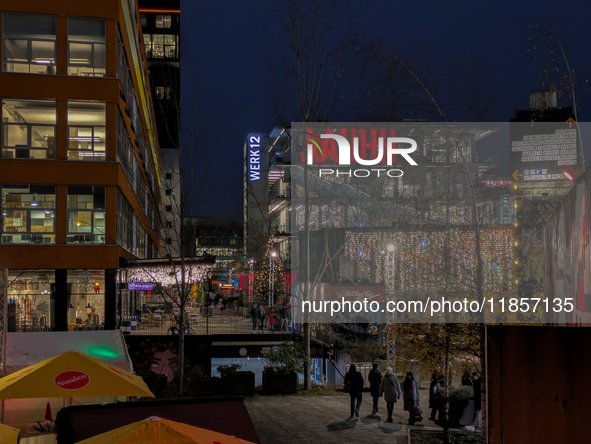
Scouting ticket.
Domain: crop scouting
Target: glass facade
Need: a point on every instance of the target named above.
(28, 129)
(131, 234)
(28, 214)
(86, 215)
(29, 43)
(86, 299)
(29, 305)
(86, 47)
(161, 46)
(86, 131)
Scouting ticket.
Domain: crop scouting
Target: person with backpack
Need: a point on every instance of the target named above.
(375, 379)
(390, 388)
(354, 384)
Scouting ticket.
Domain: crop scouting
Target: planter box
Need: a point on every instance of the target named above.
(239, 383)
(278, 383)
(205, 387)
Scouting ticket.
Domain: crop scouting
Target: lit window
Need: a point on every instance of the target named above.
(28, 129)
(86, 131)
(29, 43)
(163, 21)
(28, 214)
(86, 215)
(86, 47)
(163, 92)
(160, 46)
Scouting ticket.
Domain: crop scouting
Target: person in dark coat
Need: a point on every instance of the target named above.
(410, 392)
(375, 380)
(354, 384)
(254, 314)
(391, 390)
(438, 399)
(477, 400)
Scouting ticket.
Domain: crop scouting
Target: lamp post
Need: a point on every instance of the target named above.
(250, 279)
(390, 271)
(272, 257)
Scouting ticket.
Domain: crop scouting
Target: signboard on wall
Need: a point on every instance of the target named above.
(544, 157)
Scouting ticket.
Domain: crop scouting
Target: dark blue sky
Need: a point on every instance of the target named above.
(225, 68)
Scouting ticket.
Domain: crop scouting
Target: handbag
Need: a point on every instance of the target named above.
(417, 413)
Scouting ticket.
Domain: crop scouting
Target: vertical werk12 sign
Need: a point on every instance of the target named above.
(254, 157)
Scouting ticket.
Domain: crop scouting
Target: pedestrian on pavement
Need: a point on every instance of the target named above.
(272, 320)
(375, 380)
(477, 401)
(438, 398)
(262, 316)
(354, 384)
(284, 318)
(434, 377)
(411, 399)
(254, 314)
(391, 390)
(224, 302)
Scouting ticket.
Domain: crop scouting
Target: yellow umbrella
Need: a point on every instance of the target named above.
(162, 431)
(72, 374)
(8, 435)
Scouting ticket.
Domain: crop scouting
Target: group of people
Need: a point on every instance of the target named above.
(259, 316)
(387, 386)
(220, 301)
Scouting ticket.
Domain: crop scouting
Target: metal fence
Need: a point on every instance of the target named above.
(198, 324)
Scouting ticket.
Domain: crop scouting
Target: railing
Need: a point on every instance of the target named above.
(197, 324)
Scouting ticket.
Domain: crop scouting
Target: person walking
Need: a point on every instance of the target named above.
(354, 384)
(262, 316)
(375, 380)
(284, 318)
(272, 320)
(437, 398)
(477, 401)
(411, 399)
(390, 388)
(254, 314)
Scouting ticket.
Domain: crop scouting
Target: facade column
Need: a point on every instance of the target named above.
(60, 299)
(111, 299)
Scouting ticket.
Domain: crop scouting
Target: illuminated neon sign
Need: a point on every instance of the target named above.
(254, 157)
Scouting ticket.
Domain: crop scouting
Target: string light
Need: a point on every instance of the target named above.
(425, 259)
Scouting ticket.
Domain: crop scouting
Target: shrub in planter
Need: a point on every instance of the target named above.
(282, 367)
(235, 382)
(459, 398)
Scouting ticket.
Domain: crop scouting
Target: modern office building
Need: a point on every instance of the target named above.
(221, 238)
(160, 21)
(80, 171)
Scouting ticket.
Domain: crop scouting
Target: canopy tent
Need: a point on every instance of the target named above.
(26, 349)
(8, 435)
(72, 374)
(156, 430)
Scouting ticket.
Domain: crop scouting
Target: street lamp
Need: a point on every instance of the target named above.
(250, 279)
(389, 278)
(272, 257)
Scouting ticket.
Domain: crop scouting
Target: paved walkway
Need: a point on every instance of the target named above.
(312, 419)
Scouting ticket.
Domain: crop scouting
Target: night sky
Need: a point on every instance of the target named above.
(225, 61)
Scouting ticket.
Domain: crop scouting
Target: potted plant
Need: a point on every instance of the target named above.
(280, 374)
(200, 385)
(235, 382)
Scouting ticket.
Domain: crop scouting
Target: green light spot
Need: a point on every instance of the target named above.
(102, 352)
